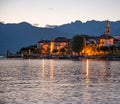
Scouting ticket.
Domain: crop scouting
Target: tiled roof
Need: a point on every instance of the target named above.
(44, 41)
(61, 39)
(103, 36)
(91, 37)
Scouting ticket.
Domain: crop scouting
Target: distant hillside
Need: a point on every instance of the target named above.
(93, 27)
(15, 36)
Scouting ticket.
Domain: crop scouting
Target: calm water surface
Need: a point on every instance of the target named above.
(59, 82)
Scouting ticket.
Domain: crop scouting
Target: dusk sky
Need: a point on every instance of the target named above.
(57, 12)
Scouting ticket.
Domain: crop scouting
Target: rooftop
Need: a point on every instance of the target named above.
(103, 36)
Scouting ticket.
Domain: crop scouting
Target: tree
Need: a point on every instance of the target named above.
(55, 51)
(32, 48)
(48, 51)
(62, 50)
(104, 48)
(68, 49)
(112, 48)
(78, 43)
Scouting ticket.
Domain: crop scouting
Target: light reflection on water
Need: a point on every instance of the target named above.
(59, 82)
(87, 71)
(43, 69)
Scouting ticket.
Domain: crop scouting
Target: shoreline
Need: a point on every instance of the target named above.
(79, 58)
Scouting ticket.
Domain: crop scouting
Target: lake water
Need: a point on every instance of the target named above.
(59, 81)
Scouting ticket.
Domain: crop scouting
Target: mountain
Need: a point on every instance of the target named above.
(93, 27)
(15, 36)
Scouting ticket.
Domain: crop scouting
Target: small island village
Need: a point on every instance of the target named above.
(80, 46)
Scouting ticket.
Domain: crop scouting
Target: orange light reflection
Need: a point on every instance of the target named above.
(87, 71)
(51, 70)
(43, 69)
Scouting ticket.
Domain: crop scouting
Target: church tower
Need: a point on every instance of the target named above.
(106, 39)
(107, 32)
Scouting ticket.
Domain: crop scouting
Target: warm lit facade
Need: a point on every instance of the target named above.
(44, 46)
(48, 46)
(60, 42)
(90, 49)
(93, 44)
(106, 39)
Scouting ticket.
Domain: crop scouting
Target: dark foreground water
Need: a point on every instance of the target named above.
(59, 82)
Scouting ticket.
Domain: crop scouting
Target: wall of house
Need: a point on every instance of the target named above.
(59, 45)
(106, 42)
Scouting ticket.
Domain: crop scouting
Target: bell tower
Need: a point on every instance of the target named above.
(107, 32)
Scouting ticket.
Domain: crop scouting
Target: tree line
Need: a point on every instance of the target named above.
(76, 45)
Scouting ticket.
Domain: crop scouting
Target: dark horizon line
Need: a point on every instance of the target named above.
(36, 24)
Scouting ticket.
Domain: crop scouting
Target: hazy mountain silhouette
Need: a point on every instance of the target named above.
(15, 36)
(93, 27)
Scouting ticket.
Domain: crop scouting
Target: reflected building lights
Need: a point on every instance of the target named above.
(51, 70)
(43, 69)
(29, 64)
(43, 83)
(87, 71)
(105, 70)
(51, 77)
(101, 71)
(108, 71)
(86, 94)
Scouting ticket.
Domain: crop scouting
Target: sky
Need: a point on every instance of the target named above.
(57, 12)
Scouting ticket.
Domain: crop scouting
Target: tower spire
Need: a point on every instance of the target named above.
(107, 32)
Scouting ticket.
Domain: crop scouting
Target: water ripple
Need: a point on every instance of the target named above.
(59, 82)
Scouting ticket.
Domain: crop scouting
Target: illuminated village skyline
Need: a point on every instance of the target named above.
(79, 45)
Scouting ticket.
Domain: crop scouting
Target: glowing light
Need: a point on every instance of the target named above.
(43, 68)
(87, 71)
(86, 94)
(51, 70)
(51, 77)
(51, 47)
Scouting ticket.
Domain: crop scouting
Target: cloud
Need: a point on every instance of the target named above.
(51, 9)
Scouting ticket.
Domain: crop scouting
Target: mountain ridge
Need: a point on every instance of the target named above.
(92, 27)
(13, 36)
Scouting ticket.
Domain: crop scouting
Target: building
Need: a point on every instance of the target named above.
(91, 45)
(47, 46)
(44, 46)
(60, 42)
(106, 39)
(117, 40)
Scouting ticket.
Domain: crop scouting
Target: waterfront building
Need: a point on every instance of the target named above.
(106, 39)
(58, 43)
(44, 46)
(117, 41)
(91, 45)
